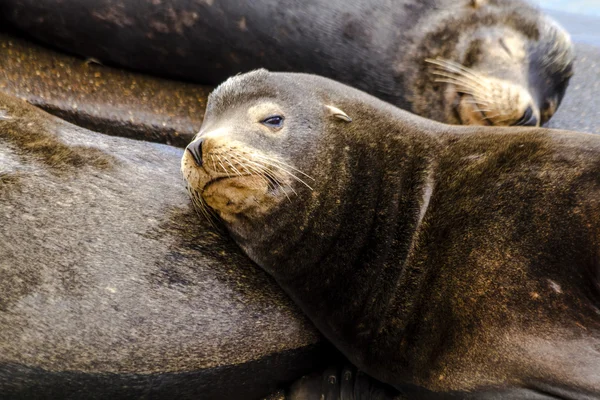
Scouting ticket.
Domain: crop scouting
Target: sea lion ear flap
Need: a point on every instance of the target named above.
(337, 113)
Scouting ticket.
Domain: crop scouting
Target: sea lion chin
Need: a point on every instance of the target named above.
(455, 261)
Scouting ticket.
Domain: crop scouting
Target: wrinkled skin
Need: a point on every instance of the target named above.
(481, 62)
(445, 261)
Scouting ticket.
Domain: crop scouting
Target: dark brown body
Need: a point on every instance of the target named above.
(496, 285)
(377, 46)
(446, 261)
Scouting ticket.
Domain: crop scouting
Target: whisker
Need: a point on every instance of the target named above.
(455, 67)
(255, 171)
(222, 166)
(288, 173)
(476, 94)
(213, 161)
(202, 209)
(272, 163)
(282, 163)
(233, 167)
(478, 103)
(262, 165)
(463, 86)
(263, 170)
(475, 84)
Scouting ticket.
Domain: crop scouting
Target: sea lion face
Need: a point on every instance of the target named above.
(240, 163)
(234, 176)
(505, 73)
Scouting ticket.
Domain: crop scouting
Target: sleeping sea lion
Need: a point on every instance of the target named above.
(482, 62)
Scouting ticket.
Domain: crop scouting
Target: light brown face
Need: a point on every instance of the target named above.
(494, 90)
(226, 168)
(497, 81)
(480, 99)
(218, 176)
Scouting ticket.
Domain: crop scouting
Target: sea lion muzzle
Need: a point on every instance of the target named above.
(195, 149)
(528, 118)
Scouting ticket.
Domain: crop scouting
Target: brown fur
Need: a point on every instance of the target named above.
(459, 260)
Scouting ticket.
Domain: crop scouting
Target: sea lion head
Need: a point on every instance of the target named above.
(255, 151)
(279, 155)
(303, 171)
(498, 65)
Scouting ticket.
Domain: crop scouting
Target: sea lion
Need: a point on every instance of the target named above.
(109, 288)
(448, 261)
(483, 62)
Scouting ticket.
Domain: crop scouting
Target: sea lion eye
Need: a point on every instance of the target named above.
(274, 121)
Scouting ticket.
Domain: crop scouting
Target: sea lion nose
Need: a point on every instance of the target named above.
(528, 118)
(195, 149)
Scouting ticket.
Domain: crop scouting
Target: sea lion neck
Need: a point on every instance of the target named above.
(369, 198)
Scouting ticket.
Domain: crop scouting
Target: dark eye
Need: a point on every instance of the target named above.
(275, 121)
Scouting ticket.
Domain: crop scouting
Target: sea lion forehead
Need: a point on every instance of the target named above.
(254, 85)
(556, 53)
(264, 109)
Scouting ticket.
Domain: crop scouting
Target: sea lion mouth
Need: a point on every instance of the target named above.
(219, 197)
(467, 105)
(241, 182)
(220, 179)
(484, 100)
(228, 178)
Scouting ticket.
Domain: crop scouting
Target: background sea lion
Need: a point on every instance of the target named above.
(447, 261)
(490, 62)
(108, 289)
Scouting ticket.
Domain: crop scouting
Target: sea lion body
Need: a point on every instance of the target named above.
(490, 62)
(109, 289)
(446, 261)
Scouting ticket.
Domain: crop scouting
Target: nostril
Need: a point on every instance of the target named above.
(195, 149)
(528, 118)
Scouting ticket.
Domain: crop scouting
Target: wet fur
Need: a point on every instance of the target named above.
(29, 133)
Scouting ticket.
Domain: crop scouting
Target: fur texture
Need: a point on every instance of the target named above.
(451, 259)
(378, 46)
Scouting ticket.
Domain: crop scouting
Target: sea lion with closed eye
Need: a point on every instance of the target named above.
(473, 62)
